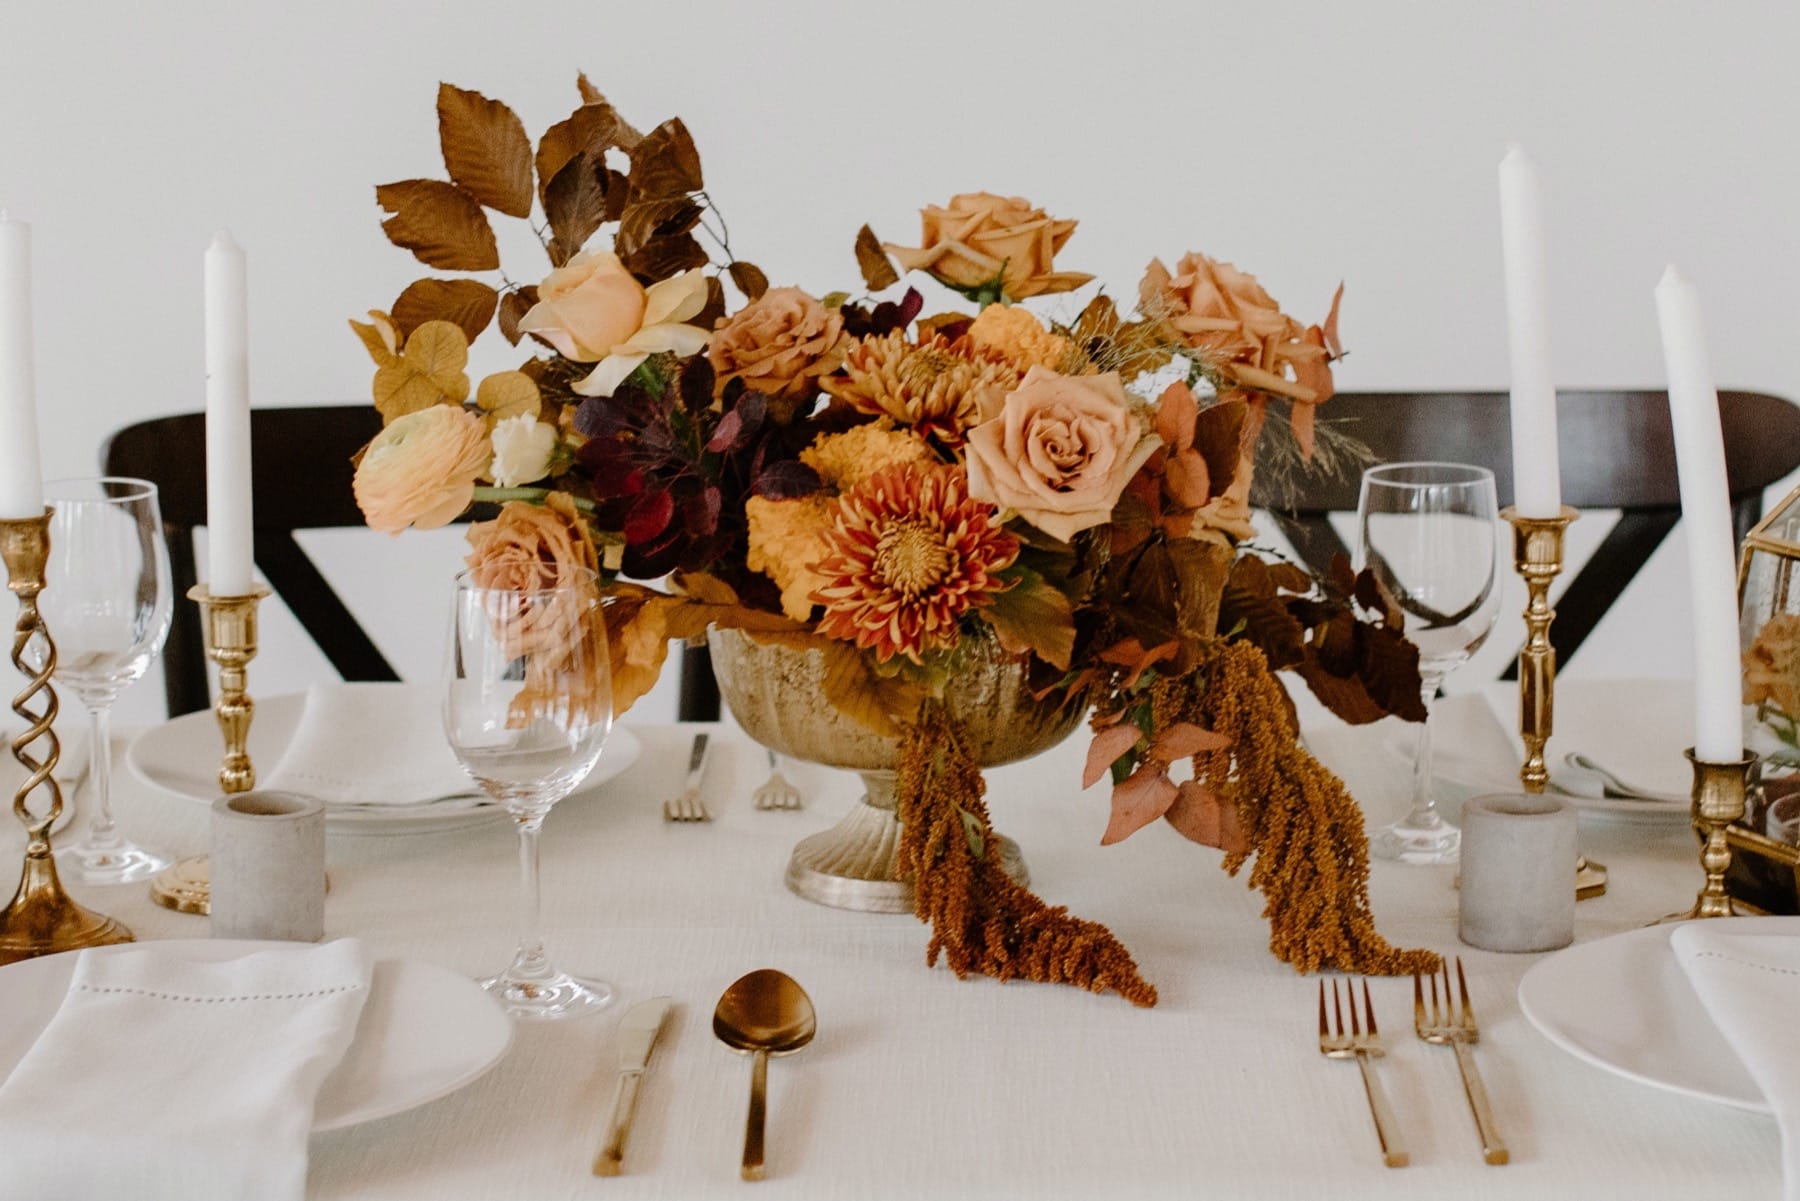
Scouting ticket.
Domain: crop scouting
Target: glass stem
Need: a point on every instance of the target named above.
(102, 832)
(530, 961)
(1424, 805)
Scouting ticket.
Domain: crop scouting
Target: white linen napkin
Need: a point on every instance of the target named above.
(1750, 985)
(373, 745)
(164, 1078)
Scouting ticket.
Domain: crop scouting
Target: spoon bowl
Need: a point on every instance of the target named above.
(762, 1014)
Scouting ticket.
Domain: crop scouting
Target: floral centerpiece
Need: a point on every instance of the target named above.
(891, 487)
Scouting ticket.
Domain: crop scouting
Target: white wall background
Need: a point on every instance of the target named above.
(1308, 142)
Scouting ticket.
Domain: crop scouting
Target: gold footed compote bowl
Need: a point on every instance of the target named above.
(777, 693)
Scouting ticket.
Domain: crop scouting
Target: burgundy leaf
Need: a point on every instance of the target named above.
(726, 434)
(649, 516)
(786, 480)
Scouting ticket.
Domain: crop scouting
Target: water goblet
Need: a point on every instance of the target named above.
(107, 604)
(527, 707)
(1429, 533)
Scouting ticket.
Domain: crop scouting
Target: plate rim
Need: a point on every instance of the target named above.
(1655, 935)
(223, 948)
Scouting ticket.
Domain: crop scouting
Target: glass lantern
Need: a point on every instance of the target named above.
(1769, 629)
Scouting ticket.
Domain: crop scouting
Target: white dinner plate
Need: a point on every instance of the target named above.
(425, 1031)
(182, 756)
(1624, 1004)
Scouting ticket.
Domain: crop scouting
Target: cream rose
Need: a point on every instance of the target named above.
(421, 470)
(981, 237)
(522, 449)
(592, 310)
(1061, 451)
(779, 344)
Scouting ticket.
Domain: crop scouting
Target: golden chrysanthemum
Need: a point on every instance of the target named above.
(845, 460)
(1015, 334)
(937, 387)
(911, 552)
(786, 538)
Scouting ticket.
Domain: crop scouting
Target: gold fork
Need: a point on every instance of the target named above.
(1447, 1027)
(688, 807)
(1337, 1044)
(776, 792)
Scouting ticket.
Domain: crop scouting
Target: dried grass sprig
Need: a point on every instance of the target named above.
(981, 919)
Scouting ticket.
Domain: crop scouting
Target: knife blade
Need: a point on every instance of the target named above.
(638, 1031)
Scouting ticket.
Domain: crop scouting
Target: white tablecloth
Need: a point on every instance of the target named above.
(922, 1086)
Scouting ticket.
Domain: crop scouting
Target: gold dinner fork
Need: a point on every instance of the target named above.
(688, 807)
(1355, 1044)
(1446, 1027)
(775, 792)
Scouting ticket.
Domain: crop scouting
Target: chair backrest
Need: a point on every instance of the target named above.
(300, 465)
(1617, 451)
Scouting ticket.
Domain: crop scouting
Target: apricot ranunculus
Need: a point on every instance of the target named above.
(779, 344)
(592, 310)
(421, 470)
(982, 238)
(1061, 451)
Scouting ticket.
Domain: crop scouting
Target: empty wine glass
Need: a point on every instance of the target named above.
(107, 605)
(527, 707)
(1428, 532)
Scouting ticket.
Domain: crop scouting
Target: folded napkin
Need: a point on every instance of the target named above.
(1750, 985)
(371, 744)
(165, 1078)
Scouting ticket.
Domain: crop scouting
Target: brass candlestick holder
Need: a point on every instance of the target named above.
(1538, 558)
(231, 634)
(41, 919)
(1719, 792)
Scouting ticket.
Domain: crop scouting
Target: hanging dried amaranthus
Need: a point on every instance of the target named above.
(981, 919)
(1294, 816)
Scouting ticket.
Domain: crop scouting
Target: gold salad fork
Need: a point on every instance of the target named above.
(1447, 1027)
(1336, 1043)
(775, 792)
(688, 807)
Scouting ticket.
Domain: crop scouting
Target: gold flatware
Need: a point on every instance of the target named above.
(1447, 1027)
(775, 792)
(1336, 1043)
(764, 1013)
(637, 1037)
(688, 807)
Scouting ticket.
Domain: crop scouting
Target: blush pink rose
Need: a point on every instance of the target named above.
(587, 306)
(421, 470)
(1061, 451)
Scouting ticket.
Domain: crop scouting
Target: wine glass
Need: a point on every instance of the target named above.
(527, 707)
(107, 605)
(1428, 532)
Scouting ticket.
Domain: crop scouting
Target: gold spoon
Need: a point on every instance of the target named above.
(765, 1013)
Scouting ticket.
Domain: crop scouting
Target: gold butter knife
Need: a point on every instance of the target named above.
(637, 1037)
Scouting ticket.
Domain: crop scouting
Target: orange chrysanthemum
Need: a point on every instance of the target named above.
(911, 552)
(937, 387)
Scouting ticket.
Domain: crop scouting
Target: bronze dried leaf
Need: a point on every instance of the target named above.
(749, 279)
(485, 149)
(666, 258)
(628, 137)
(574, 204)
(1249, 600)
(1219, 436)
(714, 309)
(440, 223)
(666, 163)
(466, 303)
(1291, 577)
(877, 270)
(644, 221)
(588, 131)
(513, 307)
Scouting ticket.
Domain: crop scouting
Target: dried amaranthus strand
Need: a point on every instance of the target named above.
(981, 919)
(1300, 822)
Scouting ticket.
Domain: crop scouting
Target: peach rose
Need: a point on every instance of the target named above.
(421, 470)
(1061, 451)
(592, 310)
(982, 237)
(778, 344)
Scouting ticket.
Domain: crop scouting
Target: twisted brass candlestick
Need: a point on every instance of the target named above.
(1538, 558)
(41, 919)
(231, 634)
(1719, 790)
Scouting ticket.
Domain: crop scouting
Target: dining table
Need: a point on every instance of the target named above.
(921, 1085)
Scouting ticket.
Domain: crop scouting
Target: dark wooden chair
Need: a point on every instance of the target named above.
(300, 465)
(1617, 451)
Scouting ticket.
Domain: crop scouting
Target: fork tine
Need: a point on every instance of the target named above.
(1355, 1021)
(1418, 1002)
(1449, 1000)
(1337, 1006)
(1324, 1027)
(1437, 1017)
(1369, 1008)
(1462, 987)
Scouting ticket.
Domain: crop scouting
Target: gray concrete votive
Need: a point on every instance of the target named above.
(1518, 873)
(268, 867)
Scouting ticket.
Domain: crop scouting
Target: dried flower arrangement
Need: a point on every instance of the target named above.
(852, 475)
